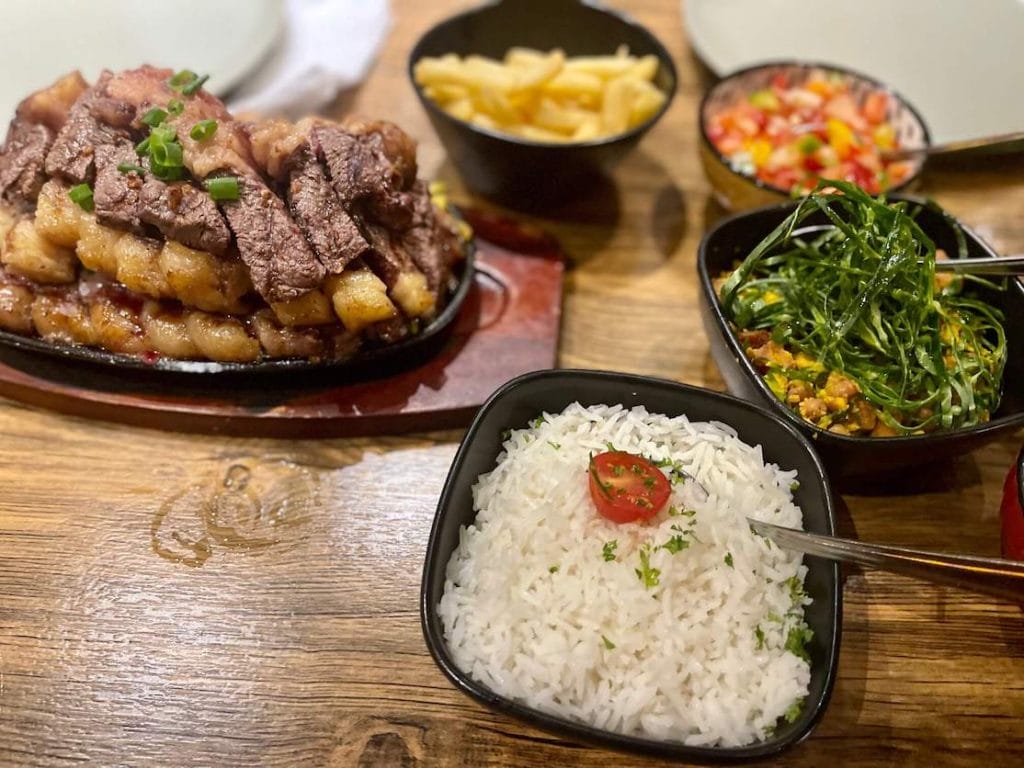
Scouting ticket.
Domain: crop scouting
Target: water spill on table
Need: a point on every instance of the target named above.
(246, 507)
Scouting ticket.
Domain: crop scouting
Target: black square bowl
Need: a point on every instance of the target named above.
(520, 401)
(858, 461)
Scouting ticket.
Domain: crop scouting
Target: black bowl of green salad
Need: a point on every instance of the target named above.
(830, 310)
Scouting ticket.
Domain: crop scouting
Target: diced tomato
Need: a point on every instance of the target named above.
(876, 107)
(626, 488)
(794, 132)
(812, 164)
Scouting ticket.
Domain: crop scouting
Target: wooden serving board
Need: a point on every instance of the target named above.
(507, 326)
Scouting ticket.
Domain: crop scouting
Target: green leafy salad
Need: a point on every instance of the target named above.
(853, 328)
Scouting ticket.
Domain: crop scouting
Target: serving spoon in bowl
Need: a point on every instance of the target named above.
(989, 575)
(984, 265)
(1004, 142)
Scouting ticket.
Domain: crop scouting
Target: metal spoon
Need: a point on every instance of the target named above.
(992, 265)
(989, 265)
(989, 575)
(1004, 141)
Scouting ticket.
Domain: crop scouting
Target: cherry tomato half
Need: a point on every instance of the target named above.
(626, 488)
(1013, 512)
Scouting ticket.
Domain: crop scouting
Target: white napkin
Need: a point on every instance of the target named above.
(325, 46)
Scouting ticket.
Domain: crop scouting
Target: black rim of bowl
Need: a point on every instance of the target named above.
(806, 65)
(776, 405)
(664, 60)
(579, 731)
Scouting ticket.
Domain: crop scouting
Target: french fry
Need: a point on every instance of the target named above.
(545, 96)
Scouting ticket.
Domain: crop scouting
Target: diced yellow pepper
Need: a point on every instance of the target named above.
(884, 136)
(840, 136)
(760, 151)
(805, 361)
(777, 383)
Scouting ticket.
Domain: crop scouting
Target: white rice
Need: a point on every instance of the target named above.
(533, 610)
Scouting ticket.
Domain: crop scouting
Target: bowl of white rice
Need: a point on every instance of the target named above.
(684, 634)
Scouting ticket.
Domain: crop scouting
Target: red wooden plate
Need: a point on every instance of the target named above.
(508, 325)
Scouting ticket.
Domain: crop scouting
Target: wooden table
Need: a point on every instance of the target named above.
(289, 635)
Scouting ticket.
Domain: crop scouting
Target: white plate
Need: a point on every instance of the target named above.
(959, 62)
(41, 40)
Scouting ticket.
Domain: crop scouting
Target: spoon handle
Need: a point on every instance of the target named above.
(996, 265)
(989, 575)
(1005, 141)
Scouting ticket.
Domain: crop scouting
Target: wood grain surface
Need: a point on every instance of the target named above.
(182, 600)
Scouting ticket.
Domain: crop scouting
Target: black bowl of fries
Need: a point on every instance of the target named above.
(536, 99)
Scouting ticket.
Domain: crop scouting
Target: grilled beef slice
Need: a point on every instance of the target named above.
(185, 214)
(72, 156)
(39, 117)
(22, 161)
(279, 260)
(331, 232)
(362, 173)
(116, 194)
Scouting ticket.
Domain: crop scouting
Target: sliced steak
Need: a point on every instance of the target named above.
(398, 147)
(432, 241)
(227, 150)
(279, 259)
(72, 156)
(22, 162)
(185, 214)
(116, 194)
(50, 105)
(387, 257)
(363, 174)
(331, 232)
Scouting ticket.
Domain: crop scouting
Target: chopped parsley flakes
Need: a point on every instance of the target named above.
(608, 643)
(794, 711)
(676, 544)
(759, 634)
(728, 559)
(608, 550)
(552, 569)
(650, 577)
(797, 640)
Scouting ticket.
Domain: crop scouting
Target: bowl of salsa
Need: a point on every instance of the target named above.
(775, 130)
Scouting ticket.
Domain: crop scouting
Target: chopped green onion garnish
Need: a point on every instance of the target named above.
(181, 79)
(81, 196)
(154, 117)
(142, 147)
(131, 168)
(223, 188)
(163, 134)
(166, 153)
(175, 106)
(203, 130)
(195, 85)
